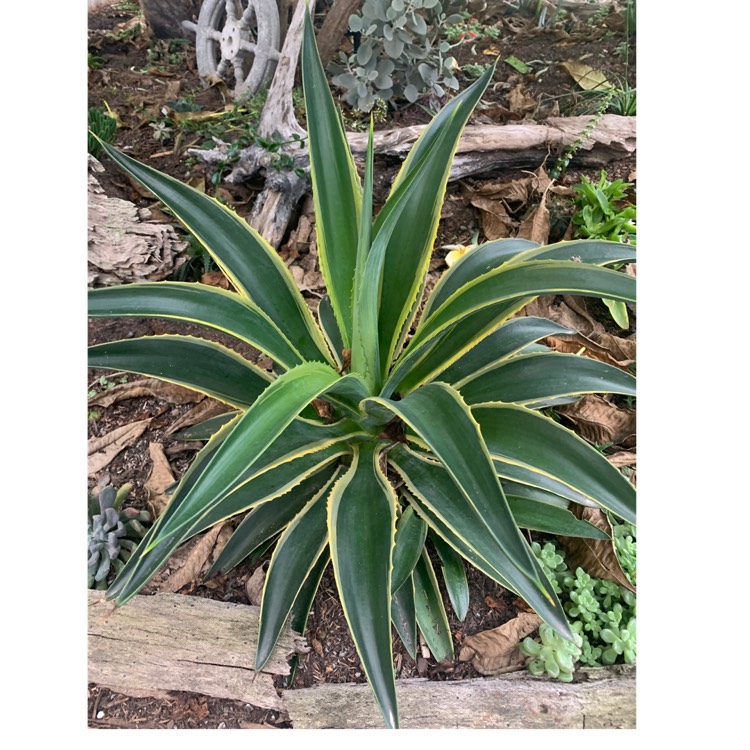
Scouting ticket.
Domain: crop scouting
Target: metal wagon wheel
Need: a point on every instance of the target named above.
(237, 39)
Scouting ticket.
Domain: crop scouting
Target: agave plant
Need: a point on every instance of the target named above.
(381, 432)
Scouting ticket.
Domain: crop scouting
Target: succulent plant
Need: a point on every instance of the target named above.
(400, 55)
(113, 533)
(555, 655)
(621, 642)
(601, 613)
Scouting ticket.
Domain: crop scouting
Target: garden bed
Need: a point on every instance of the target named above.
(137, 76)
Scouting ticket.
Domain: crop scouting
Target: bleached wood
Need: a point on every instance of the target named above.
(174, 642)
(484, 148)
(123, 244)
(606, 699)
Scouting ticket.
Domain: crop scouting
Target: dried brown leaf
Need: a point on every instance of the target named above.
(599, 421)
(496, 651)
(254, 586)
(101, 450)
(622, 458)
(536, 226)
(496, 223)
(215, 278)
(203, 410)
(187, 563)
(591, 340)
(520, 101)
(597, 557)
(159, 479)
(174, 394)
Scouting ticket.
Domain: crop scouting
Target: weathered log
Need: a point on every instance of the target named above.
(604, 699)
(165, 17)
(335, 25)
(174, 642)
(124, 246)
(487, 148)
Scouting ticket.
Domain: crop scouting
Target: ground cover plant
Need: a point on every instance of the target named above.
(366, 436)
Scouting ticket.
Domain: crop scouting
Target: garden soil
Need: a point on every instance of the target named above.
(136, 76)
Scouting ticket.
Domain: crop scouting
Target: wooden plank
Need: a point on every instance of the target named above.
(175, 642)
(604, 699)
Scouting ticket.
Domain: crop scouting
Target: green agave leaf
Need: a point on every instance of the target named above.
(295, 555)
(411, 533)
(362, 520)
(416, 199)
(526, 379)
(425, 362)
(529, 279)
(527, 492)
(507, 340)
(254, 431)
(157, 545)
(365, 349)
(438, 415)
(554, 451)
(300, 438)
(596, 252)
(335, 183)
(265, 521)
(550, 519)
(202, 365)
(619, 312)
(197, 303)
(428, 605)
(301, 609)
(251, 264)
(330, 328)
(538, 480)
(203, 430)
(446, 510)
(454, 575)
(474, 264)
(404, 616)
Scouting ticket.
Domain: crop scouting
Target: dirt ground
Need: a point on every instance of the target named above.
(137, 75)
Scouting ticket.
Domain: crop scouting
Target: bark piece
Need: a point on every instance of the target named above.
(173, 642)
(124, 246)
(605, 698)
(335, 25)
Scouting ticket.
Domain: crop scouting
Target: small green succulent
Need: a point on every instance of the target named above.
(113, 533)
(555, 655)
(601, 612)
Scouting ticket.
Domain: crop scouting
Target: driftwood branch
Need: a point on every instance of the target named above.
(123, 244)
(174, 642)
(486, 148)
(605, 699)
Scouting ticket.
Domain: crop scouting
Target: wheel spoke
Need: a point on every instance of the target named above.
(221, 71)
(248, 47)
(239, 74)
(214, 34)
(247, 17)
(231, 11)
